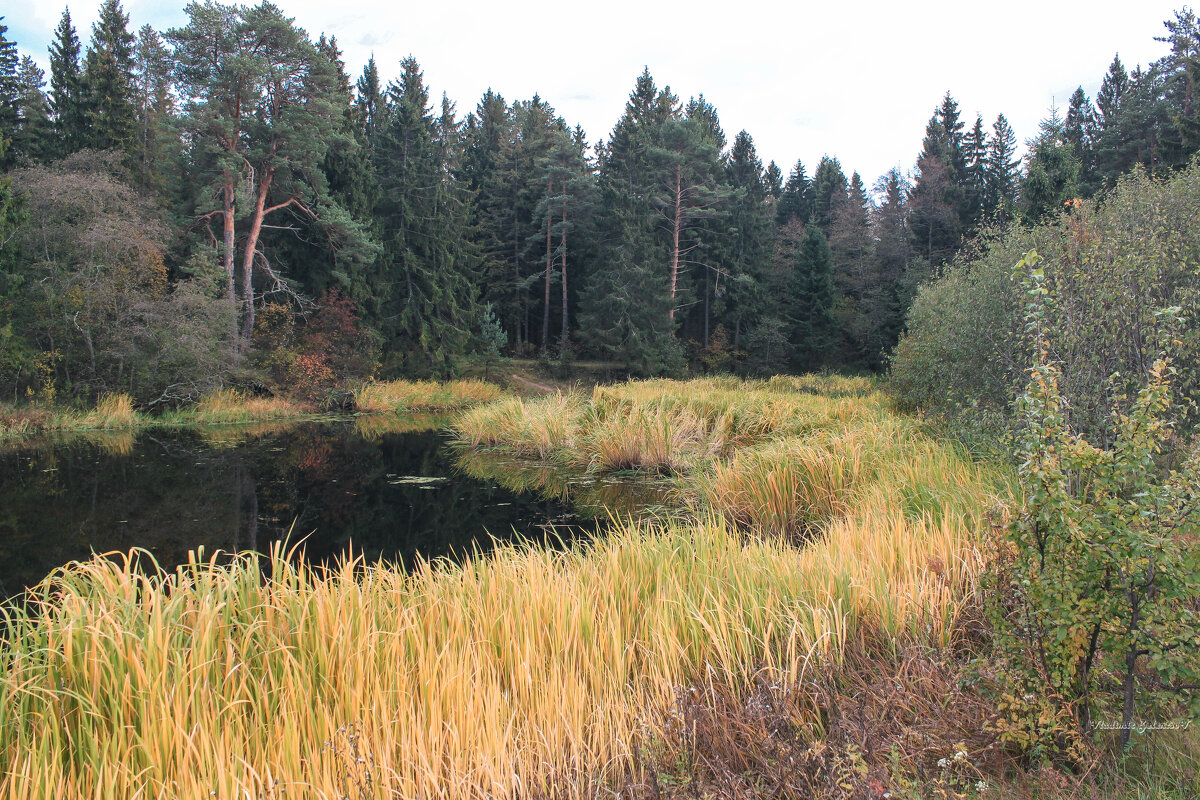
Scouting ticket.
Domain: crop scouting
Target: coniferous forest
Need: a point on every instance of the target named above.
(222, 204)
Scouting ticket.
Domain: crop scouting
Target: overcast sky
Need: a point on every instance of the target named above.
(855, 80)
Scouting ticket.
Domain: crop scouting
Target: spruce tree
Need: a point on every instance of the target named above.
(811, 297)
(749, 226)
(33, 140)
(1080, 132)
(975, 147)
(626, 305)
(108, 81)
(432, 306)
(67, 103)
(10, 97)
(794, 199)
(1002, 171)
(372, 101)
(1053, 175)
(827, 193)
(154, 103)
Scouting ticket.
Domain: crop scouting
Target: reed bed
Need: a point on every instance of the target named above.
(424, 396)
(525, 673)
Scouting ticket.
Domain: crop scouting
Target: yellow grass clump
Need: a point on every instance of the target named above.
(229, 406)
(391, 396)
(111, 411)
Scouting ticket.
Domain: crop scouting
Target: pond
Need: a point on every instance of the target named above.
(383, 487)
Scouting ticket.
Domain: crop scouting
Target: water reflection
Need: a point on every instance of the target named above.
(389, 486)
(590, 495)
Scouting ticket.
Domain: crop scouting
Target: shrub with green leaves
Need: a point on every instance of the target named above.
(1110, 263)
(1099, 627)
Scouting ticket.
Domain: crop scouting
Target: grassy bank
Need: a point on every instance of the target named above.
(116, 413)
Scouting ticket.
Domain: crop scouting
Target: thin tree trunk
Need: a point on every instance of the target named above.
(546, 304)
(678, 224)
(707, 277)
(563, 246)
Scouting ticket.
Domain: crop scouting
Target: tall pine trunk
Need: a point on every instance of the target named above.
(256, 223)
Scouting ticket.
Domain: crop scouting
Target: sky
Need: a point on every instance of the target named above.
(853, 80)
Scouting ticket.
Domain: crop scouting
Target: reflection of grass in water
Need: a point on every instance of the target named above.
(114, 443)
(223, 437)
(375, 426)
(591, 495)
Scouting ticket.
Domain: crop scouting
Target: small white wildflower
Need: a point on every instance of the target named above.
(943, 762)
(960, 756)
(981, 786)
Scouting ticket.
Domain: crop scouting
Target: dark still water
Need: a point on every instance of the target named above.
(366, 483)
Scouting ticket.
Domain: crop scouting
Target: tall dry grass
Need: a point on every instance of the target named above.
(424, 396)
(525, 673)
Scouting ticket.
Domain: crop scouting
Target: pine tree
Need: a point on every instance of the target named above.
(260, 107)
(108, 81)
(67, 103)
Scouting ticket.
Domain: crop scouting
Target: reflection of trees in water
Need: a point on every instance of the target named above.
(173, 492)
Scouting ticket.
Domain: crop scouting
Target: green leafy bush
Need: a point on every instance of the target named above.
(1109, 264)
(1099, 626)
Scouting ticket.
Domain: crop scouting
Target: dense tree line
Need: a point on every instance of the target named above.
(221, 203)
